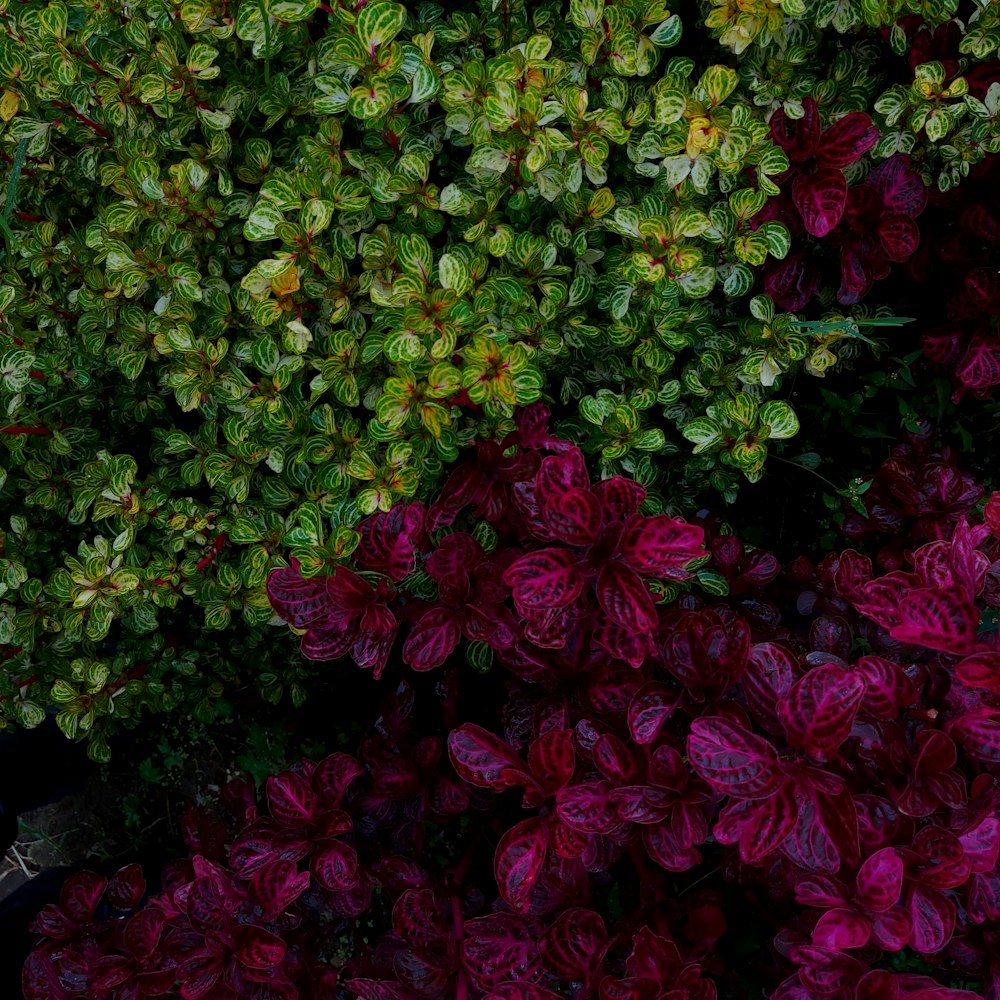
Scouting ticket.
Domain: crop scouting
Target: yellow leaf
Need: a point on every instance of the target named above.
(9, 104)
(286, 282)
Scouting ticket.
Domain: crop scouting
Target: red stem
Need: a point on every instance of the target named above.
(22, 429)
(83, 119)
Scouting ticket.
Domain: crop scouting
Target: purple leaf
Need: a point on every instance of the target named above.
(547, 578)
(818, 712)
(733, 760)
(820, 198)
(520, 857)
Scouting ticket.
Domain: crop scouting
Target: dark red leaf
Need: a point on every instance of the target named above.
(334, 775)
(818, 712)
(574, 944)
(798, 137)
(733, 760)
(841, 929)
(81, 894)
(661, 546)
(552, 759)
(500, 947)
(257, 948)
(625, 598)
(880, 881)
(547, 578)
(277, 885)
(432, 640)
(820, 198)
(290, 799)
(127, 887)
(649, 710)
(573, 516)
(847, 140)
(485, 760)
(519, 860)
(335, 865)
(937, 619)
(389, 540)
(932, 917)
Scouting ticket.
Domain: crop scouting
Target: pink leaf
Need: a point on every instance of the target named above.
(847, 140)
(432, 640)
(290, 799)
(482, 759)
(335, 866)
(733, 760)
(661, 546)
(625, 598)
(649, 709)
(519, 860)
(544, 579)
(820, 198)
(573, 516)
(819, 710)
(840, 930)
(880, 881)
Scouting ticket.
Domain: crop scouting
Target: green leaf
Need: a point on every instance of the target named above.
(316, 215)
(263, 220)
(780, 420)
(453, 273)
(668, 32)
(717, 83)
(378, 23)
(703, 433)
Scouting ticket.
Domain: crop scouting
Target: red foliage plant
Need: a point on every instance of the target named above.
(637, 791)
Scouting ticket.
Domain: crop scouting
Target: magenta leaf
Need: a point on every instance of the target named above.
(841, 929)
(291, 799)
(820, 198)
(573, 516)
(432, 639)
(818, 712)
(619, 497)
(847, 140)
(661, 546)
(335, 866)
(500, 947)
(899, 236)
(733, 760)
(625, 598)
(932, 916)
(558, 473)
(300, 602)
(482, 759)
(544, 579)
(649, 710)
(887, 688)
(519, 860)
(257, 948)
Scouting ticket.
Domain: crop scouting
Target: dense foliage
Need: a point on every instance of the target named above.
(269, 269)
(827, 736)
(438, 332)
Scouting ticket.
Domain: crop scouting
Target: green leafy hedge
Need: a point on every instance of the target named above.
(269, 266)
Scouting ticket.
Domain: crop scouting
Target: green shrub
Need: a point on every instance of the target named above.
(270, 266)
